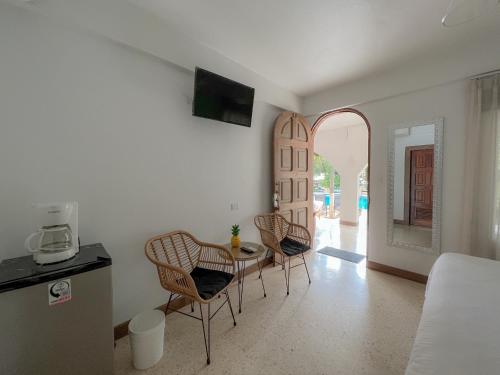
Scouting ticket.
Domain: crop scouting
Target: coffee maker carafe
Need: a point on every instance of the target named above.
(57, 234)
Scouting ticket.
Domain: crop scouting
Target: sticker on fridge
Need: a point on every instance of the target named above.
(59, 292)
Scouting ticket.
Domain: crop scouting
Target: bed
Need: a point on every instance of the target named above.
(459, 332)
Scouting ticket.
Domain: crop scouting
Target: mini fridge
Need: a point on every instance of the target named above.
(56, 319)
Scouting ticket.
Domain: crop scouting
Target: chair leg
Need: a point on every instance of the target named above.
(208, 360)
(230, 306)
(168, 303)
(305, 265)
(192, 306)
(286, 281)
(289, 271)
(207, 342)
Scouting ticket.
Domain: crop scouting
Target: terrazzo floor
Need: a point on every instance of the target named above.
(350, 320)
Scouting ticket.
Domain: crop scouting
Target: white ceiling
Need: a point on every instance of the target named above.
(308, 45)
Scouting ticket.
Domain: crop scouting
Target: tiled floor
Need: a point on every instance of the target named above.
(329, 232)
(348, 321)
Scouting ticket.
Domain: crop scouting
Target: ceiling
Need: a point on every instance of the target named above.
(306, 46)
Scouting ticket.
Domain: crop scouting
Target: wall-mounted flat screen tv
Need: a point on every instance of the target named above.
(219, 98)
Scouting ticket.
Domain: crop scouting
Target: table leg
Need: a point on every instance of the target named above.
(260, 276)
(241, 280)
(239, 285)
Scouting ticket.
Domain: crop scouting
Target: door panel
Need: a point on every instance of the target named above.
(422, 167)
(301, 216)
(286, 130)
(285, 190)
(301, 190)
(292, 177)
(300, 133)
(286, 158)
(301, 158)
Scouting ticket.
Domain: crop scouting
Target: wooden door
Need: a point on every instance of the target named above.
(422, 168)
(293, 169)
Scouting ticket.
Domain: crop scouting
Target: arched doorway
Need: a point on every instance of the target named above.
(351, 227)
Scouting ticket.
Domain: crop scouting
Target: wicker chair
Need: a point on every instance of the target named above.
(285, 239)
(195, 270)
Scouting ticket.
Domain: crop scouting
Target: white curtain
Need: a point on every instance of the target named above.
(481, 229)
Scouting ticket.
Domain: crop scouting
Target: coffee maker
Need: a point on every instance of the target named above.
(56, 239)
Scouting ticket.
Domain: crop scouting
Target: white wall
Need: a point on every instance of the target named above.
(346, 149)
(127, 24)
(87, 119)
(448, 101)
(416, 136)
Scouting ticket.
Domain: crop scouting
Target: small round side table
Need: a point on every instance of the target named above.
(241, 257)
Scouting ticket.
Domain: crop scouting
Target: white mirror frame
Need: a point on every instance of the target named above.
(436, 192)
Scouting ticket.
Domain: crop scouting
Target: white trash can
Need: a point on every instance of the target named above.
(146, 332)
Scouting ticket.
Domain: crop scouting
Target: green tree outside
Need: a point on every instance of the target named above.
(323, 166)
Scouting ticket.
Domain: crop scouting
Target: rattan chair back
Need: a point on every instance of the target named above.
(176, 254)
(274, 223)
(179, 249)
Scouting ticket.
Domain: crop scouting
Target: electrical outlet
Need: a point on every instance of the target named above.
(234, 206)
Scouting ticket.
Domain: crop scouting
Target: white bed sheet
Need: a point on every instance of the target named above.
(459, 332)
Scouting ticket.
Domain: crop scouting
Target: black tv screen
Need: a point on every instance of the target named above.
(219, 98)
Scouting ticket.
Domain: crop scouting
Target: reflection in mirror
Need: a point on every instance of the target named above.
(414, 171)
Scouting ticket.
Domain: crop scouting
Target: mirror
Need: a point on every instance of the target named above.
(414, 186)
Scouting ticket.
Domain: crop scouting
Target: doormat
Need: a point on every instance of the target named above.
(342, 254)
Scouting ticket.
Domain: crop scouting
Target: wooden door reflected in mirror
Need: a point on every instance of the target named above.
(414, 170)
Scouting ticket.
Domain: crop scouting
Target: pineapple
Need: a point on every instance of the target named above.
(235, 239)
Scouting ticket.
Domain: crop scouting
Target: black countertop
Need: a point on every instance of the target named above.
(22, 272)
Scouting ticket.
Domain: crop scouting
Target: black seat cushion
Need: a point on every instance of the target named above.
(291, 247)
(210, 282)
